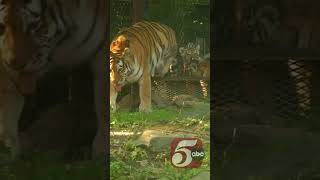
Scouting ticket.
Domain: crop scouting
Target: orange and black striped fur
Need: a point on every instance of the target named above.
(36, 35)
(138, 53)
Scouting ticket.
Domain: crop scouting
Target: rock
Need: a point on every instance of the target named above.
(127, 102)
(184, 97)
(186, 104)
(185, 101)
(159, 100)
(157, 141)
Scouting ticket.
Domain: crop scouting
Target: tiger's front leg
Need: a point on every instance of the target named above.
(100, 98)
(145, 93)
(10, 115)
(113, 98)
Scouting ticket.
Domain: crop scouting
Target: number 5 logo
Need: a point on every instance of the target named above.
(184, 152)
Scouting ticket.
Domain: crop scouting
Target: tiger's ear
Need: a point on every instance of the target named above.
(126, 52)
(182, 51)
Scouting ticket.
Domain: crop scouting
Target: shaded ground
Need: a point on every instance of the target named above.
(58, 146)
(51, 166)
(263, 148)
(57, 128)
(131, 162)
(293, 160)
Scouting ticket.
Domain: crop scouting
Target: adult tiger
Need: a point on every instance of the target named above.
(38, 34)
(138, 53)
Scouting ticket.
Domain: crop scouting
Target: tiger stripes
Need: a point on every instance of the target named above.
(137, 53)
(37, 35)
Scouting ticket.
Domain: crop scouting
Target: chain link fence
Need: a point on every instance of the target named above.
(120, 15)
(191, 22)
(284, 88)
(169, 89)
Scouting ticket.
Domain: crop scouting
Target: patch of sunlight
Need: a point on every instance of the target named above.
(123, 133)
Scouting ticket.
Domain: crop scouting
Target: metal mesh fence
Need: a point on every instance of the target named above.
(189, 18)
(120, 15)
(169, 89)
(191, 22)
(280, 88)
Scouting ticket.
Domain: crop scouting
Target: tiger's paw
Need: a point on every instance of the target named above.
(113, 108)
(145, 109)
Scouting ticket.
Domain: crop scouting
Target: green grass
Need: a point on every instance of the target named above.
(129, 119)
(138, 164)
(127, 161)
(51, 166)
(130, 162)
(170, 115)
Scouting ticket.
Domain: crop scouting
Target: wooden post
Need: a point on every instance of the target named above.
(250, 81)
(138, 9)
(137, 14)
(238, 11)
(70, 89)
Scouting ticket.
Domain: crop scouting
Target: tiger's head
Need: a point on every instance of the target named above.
(118, 69)
(19, 22)
(119, 56)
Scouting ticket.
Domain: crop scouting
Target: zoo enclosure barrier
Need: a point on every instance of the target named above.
(191, 21)
(286, 89)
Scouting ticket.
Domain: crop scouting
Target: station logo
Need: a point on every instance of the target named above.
(186, 152)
